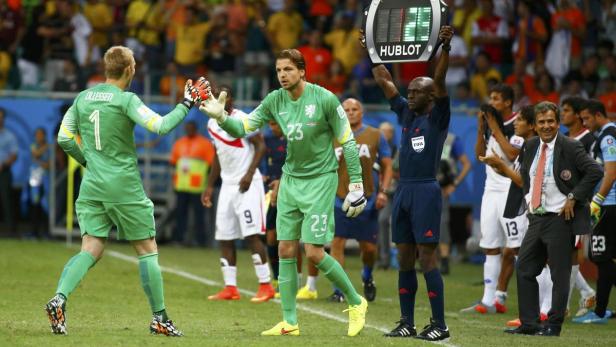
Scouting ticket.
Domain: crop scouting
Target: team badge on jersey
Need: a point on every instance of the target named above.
(565, 175)
(309, 110)
(418, 143)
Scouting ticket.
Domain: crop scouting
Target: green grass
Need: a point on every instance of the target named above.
(109, 308)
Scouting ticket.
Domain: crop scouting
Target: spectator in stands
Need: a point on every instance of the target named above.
(320, 14)
(172, 82)
(520, 96)
(544, 89)
(12, 31)
(605, 51)
(609, 19)
(8, 156)
(608, 96)
(174, 14)
(98, 76)
(190, 39)
(192, 156)
(489, 33)
(285, 27)
(336, 79)
(80, 31)
(530, 35)
(238, 16)
(384, 219)
(40, 152)
(318, 58)
(463, 101)
(31, 59)
(458, 64)
(570, 19)
(256, 43)
(221, 47)
(68, 81)
(98, 13)
(56, 30)
(464, 17)
(344, 41)
(144, 21)
(484, 76)
(362, 82)
(520, 74)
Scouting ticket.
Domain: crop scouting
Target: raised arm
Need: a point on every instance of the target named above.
(162, 125)
(215, 108)
(445, 34)
(66, 136)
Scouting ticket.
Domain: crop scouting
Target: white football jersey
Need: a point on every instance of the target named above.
(234, 155)
(495, 181)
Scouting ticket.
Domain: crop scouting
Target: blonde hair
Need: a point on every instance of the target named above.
(117, 59)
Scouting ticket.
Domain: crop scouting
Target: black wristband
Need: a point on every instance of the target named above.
(446, 47)
(188, 103)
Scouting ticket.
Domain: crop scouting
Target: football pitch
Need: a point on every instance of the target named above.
(110, 309)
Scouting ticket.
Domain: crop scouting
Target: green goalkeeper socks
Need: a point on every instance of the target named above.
(335, 273)
(152, 281)
(74, 271)
(287, 285)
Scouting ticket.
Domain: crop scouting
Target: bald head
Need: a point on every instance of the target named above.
(354, 111)
(420, 94)
(387, 130)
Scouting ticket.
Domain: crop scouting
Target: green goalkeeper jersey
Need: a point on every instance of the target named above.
(104, 119)
(310, 124)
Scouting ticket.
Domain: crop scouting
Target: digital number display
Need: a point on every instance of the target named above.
(403, 30)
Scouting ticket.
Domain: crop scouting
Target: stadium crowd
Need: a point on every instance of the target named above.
(547, 50)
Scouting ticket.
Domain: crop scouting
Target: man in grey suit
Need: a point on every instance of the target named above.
(559, 178)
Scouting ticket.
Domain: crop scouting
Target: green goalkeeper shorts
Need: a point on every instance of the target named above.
(134, 220)
(306, 208)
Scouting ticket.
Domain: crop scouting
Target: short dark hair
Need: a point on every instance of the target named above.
(504, 90)
(295, 56)
(576, 103)
(528, 114)
(595, 106)
(546, 106)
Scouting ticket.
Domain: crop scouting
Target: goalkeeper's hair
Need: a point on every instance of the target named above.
(116, 59)
(295, 56)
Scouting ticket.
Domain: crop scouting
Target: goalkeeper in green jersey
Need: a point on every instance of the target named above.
(311, 118)
(98, 132)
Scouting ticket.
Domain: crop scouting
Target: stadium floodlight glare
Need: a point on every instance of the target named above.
(398, 31)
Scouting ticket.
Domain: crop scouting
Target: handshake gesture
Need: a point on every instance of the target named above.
(197, 92)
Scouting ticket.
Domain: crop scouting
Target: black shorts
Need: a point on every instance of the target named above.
(270, 219)
(603, 238)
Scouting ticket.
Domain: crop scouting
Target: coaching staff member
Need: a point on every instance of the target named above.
(559, 178)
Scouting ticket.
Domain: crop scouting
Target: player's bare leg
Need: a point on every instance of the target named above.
(152, 283)
(229, 272)
(74, 271)
(257, 248)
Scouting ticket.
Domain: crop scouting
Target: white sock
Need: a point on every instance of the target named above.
(582, 285)
(491, 269)
(545, 290)
(229, 273)
(311, 282)
(500, 296)
(261, 269)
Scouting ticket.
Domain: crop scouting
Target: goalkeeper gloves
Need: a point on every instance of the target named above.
(595, 208)
(195, 93)
(355, 201)
(215, 108)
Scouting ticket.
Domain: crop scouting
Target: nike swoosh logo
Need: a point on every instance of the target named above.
(282, 113)
(284, 332)
(319, 235)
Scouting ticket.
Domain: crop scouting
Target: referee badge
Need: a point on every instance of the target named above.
(418, 143)
(565, 175)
